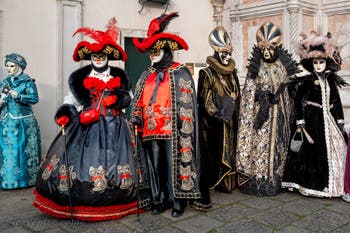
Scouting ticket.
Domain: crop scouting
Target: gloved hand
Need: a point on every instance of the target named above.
(217, 116)
(272, 98)
(13, 93)
(3, 98)
(62, 120)
(228, 108)
(109, 100)
(136, 120)
(300, 125)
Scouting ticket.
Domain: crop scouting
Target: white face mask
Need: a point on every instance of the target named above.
(12, 68)
(156, 56)
(319, 65)
(225, 58)
(99, 60)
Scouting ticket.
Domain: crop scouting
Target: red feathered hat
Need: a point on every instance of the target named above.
(106, 42)
(157, 39)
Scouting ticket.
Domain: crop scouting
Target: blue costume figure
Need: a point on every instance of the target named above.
(20, 147)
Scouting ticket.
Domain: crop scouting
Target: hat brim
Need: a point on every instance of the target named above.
(161, 41)
(84, 50)
(330, 64)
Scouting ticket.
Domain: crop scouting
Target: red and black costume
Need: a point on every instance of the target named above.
(165, 104)
(98, 146)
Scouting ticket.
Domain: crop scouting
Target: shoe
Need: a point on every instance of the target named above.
(157, 209)
(177, 213)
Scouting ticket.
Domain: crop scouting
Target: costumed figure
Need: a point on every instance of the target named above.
(89, 171)
(264, 119)
(165, 107)
(20, 144)
(346, 196)
(317, 167)
(218, 102)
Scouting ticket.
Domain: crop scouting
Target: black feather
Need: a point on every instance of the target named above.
(164, 20)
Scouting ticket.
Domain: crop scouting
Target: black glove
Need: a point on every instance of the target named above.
(217, 116)
(136, 120)
(272, 98)
(263, 114)
(228, 108)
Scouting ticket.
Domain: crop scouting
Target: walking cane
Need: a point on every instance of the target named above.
(138, 174)
(68, 172)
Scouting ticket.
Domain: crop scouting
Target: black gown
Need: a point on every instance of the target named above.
(100, 155)
(318, 168)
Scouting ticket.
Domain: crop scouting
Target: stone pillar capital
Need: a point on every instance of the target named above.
(218, 6)
(293, 6)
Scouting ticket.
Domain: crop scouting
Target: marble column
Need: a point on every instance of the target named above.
(293, 7)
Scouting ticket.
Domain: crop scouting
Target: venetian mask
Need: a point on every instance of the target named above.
(268, 53)
(156, 55)
(220, 41)
(12, 68)
(99, 59)
(268, 38)
(319, 65)
(225, 57)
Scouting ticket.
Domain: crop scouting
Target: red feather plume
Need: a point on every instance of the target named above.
(111, 33)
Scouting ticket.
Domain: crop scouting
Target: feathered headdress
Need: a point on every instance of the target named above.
(106, 42)
(219, 40)
(318, 46)
(157, 39)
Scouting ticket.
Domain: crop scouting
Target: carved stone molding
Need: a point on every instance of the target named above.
(218, 6)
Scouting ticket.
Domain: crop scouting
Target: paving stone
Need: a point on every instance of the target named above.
(147, 222)
(113, 227)
(4, 226)
(342, 229)
(322, 221)
(260, 203)
(231, 213)
(197, 224)
(292, 229)
(245, 226)
(276, 219)
(219, 199)
(54, 230)
(38, 223)
(78, 226)
(341, 207)
(324, 200)
(16, 230)
(302, 207)
(285, 196)
(168, 229)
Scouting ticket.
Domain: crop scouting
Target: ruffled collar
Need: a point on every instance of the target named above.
(224, 70)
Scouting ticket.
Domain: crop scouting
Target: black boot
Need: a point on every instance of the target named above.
(179, 207)
(157, 209)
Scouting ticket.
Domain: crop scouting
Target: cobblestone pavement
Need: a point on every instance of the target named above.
(236, 212)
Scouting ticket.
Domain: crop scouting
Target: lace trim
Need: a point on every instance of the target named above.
(308, 192)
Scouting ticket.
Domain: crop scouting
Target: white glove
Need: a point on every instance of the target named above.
(2, 98)
(14, 94)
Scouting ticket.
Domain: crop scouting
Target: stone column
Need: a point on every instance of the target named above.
(293, 7)
(236, 37)
(218, 6)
